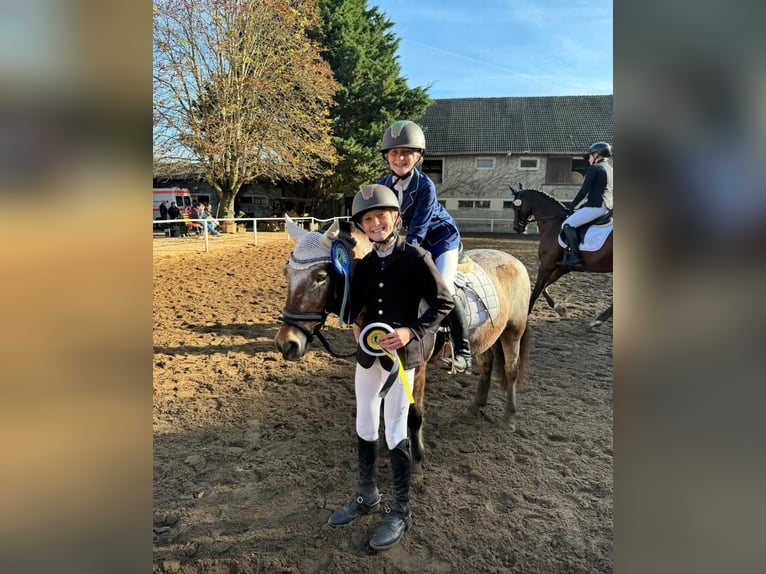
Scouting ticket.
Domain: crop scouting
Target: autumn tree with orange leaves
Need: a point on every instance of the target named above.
(240, 92)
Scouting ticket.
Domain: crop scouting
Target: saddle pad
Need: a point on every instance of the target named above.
(594, 239)
(478, 296)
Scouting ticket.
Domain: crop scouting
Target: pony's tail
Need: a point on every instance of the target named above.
(523, 357)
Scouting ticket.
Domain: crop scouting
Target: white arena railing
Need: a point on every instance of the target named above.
(276, 224)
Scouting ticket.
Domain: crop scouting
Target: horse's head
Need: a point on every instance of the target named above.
(521, 210)
(309, 276)
(313, 287)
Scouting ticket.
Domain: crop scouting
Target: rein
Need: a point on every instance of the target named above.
(295, 319)
(523, 222)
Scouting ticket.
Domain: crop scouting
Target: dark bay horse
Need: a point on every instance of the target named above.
(314, 290)
(549, 213)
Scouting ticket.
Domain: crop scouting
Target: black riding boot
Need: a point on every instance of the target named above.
(572, 257)
(367, 497)
(459, 332)
(398, 518)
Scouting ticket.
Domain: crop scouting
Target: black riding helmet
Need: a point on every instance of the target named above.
(603, 149)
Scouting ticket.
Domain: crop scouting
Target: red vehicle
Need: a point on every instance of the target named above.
(179, 195)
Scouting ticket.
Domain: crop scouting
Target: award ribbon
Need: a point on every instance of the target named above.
(369, 341)
(341, 262)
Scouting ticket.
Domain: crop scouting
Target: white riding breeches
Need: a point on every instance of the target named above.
(584, 215)
(396, 406)
(446, 263)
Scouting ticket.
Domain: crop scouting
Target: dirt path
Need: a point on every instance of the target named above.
(252, 453)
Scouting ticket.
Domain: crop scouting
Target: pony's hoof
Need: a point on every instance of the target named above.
(560, 310)
(508, 425)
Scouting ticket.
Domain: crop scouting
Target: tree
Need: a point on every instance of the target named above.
(242, 91)
(361, 49)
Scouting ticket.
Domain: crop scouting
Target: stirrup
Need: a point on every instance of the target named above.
(457, 364)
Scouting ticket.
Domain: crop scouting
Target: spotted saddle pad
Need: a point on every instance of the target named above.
(478, 296)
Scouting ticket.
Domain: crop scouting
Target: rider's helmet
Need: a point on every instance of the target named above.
(373, 196)
(603, 149)
(403, 133)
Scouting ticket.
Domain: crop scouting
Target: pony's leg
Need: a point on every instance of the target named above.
(546, 275)
(511, 344)
(415, 419)
(604, 316)
(538, 288)
(485, 361)
(548, 298)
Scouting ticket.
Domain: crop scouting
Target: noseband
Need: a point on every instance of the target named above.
(521, 222)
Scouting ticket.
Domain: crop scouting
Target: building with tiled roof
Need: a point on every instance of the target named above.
(477, 147)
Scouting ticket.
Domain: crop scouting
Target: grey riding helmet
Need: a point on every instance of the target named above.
(602, 148)
(403, 133)
(373, 196)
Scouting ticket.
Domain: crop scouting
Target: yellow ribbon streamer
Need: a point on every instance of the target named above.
(370, 341)
(402, 376)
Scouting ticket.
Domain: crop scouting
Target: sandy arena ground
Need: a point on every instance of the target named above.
(252, 453)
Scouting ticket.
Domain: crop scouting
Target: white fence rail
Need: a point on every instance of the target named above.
(165, 230)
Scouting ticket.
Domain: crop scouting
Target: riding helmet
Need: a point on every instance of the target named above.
(602, 148)
(403, 133)
(373, 196)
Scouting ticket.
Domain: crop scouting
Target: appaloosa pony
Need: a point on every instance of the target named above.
(496, 294)
(549, 213)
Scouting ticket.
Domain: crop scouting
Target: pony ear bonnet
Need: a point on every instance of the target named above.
(311, 247)
(331, 234)
(293, 230)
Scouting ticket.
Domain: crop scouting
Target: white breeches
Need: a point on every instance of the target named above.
(446, 263)
(396, 406)
(584, 215)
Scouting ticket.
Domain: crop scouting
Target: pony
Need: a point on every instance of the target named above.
(315, 289)
(549, 213)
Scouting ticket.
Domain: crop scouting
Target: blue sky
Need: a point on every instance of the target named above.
(498, 48)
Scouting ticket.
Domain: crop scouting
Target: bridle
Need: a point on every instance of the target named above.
(520, 225)
(521, 222)
(297, 318)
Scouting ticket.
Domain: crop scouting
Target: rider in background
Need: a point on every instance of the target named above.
(597, 190)
(428, 223)
(387, 287)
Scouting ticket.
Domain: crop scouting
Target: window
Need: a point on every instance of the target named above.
(473, 204)
(507, 204)
(485, 163)
(433, 168)
(528, 163)
(558, 170)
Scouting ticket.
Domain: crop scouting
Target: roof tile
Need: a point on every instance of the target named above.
(534, 125)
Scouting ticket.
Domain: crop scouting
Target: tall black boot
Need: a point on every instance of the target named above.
(367, 498)
(459, 331)
(398, 518)
(572, 257)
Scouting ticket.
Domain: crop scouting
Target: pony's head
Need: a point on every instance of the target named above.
(314, 288)
(521, 210)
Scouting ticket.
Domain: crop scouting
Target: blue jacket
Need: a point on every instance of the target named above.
(428, 224)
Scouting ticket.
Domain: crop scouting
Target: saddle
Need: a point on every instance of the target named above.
(606, 219)
(592, 235)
